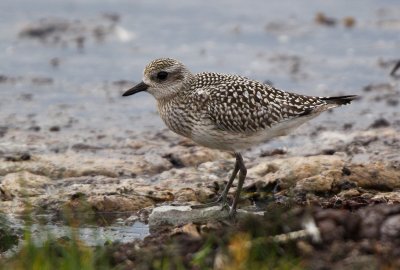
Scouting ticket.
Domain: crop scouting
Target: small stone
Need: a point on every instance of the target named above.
(348, 126)
(34, 128)
(328, 152)
(305, 248)
(321, 18)
(18, 157)
(349, 193)
(54, 128)
(3, 131)
(349, 22)
(390, 229)
(55, 62)
(273, 152)
(380, 123)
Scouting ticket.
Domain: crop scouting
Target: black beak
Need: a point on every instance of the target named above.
(136, 89)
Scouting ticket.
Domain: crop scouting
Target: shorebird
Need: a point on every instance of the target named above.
(227, 112)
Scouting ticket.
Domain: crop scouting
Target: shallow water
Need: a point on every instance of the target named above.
(272, 41)
(91, 235)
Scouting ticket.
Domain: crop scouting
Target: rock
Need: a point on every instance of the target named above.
(373, 218)
(24, 184)
(179, 215)
(321, 18)
(274, 152)
(54, 128)
(388, 197)
(185, 195)
(379, 123)
(314, 173)
(349, 193)
(85, 147)
(16, 157)
(76, 164)
(319, 183)
(189, 229)
(390, 229)
(118, 203)
(3, 129)
(326, 173)
(181, 157)
(375, 176)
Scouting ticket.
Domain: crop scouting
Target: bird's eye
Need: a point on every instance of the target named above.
(162, 75)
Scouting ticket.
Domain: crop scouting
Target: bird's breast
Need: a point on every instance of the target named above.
(178, 118)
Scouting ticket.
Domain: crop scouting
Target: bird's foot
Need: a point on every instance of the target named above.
(220, 200)
(232, 212)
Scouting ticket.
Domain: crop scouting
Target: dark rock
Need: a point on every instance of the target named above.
(113, 17)
(348, 126)
(274, 152)
(346, 171)
(25, 156)
(80, 42)
(54, 128)
(54, 62)
(390, 230)
(83, 146)
(321, 18)
(379, 123)
(381, 87)
(175, 161)
(373, 218)
(3, 78)
(44, 29)
(34, 128)
(345, 185)
(26, 97)
(328, 151)
(392, 102)
(42, 80)
(123, 83)
(349, 22)
(18, 157)
(3, 131)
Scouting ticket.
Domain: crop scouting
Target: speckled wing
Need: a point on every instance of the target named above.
(237, 104)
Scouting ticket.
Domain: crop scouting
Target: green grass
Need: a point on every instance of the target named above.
(247, 245)
(64, 254)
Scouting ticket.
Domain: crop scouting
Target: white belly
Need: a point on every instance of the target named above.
(210, 136)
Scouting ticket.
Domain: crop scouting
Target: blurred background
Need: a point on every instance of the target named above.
(60, 60)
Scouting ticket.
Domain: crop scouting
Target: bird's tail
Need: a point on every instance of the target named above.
(340, 100)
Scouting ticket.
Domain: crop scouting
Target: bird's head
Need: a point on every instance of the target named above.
(163, 78)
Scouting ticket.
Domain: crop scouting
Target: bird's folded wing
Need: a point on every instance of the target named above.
(254, 107)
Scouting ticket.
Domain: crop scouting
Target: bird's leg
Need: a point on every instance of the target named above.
(242, 176)
(223, 197)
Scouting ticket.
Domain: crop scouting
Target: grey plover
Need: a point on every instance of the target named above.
(227, 112)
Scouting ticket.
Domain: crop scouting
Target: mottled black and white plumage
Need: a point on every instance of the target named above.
(227, 112)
